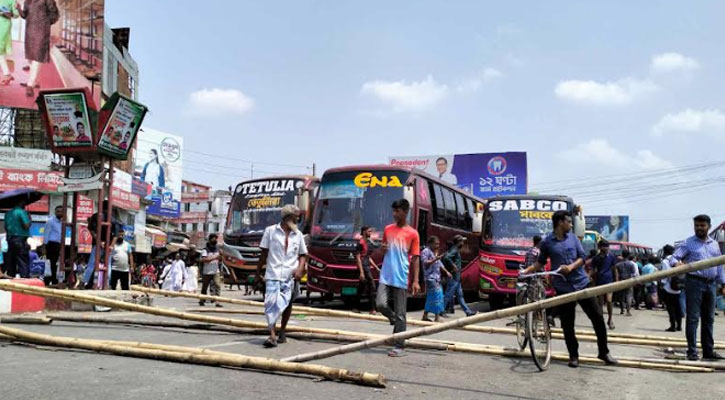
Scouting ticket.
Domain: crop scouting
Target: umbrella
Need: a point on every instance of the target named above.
(10, 198)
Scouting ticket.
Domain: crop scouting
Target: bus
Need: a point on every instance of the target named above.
(638, 250)
(591, 241)
(255, 205)
(509, 225)
(353, 197)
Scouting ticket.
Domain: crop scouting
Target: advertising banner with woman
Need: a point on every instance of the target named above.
(49, 44)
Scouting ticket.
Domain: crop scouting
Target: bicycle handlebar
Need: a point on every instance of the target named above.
(544, 273)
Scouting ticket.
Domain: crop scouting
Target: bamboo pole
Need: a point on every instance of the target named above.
(428, 344)
(376, 318)
(196, 356)
(542, 304)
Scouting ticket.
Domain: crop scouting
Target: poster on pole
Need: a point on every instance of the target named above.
(481, 174)
(119, 129)
(67, 119)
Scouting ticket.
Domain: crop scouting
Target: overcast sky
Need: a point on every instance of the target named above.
(619, 104)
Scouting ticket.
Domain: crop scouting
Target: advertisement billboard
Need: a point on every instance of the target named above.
(482, 174)
(159, 161)
(68, 120)
(119, 130)
(50, 44)
(611, 227)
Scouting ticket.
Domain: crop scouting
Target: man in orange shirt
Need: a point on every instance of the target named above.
(402, 249)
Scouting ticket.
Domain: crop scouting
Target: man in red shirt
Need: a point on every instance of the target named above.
(402, 249)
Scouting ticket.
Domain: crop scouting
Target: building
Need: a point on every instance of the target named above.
(203, 211)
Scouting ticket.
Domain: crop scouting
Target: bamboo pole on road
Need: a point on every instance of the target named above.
(196, 356)
(378, 318)
(522, 309)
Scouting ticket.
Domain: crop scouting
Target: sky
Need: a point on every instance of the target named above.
(618, 104)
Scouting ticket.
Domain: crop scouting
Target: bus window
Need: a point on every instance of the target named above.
(470, 215)
(451, 215)
(461, 207)
(439, 213)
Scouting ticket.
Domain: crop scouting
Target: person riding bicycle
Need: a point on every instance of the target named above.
(566, 254)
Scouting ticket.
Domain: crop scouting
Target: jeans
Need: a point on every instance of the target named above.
(52, 250)
(625, 299)
(672, 302)
(700, 305)
(567, 314)
(395, 313)
(454, 289)
(683, 302)
(119, 276)
(17, 259)
(215, 281)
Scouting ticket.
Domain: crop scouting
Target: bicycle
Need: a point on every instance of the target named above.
(533, 327)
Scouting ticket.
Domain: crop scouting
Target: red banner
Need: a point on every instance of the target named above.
(195, 197)
(84, 208)
(190, 217)
(45, 181)
(84, 240)
(40, 206)
(125, 200)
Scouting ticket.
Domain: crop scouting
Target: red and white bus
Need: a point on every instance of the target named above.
(255, 205)
(509, 226)
(635, 249)
(353, 197)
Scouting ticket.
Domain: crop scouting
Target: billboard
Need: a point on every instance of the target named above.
(159, 161)
(482, 174)
(50, 44)
(611, 227)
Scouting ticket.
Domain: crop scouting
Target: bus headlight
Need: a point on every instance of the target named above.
(316, 264)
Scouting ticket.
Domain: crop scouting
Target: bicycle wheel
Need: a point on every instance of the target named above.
(539, 334)
(522, 336)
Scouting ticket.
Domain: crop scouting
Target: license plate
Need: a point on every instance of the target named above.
(492, 270)
(349, 291)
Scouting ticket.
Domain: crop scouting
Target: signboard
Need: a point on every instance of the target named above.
(80, 171)
(142, 189)
(119, 130)
(482, 174)
(40, 206)
(16, 157)
(44, 181)
(64, 37)
(142, 244)
(81, 185)
(192, 217)
(159, 161)
(84, 240)
(611, 227)
(125, 200)
(164, 206)
(67, 120)
(84, 208)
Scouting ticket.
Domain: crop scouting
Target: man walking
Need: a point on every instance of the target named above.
(604, 272)
(364, 263)
(700, 288)
(52, 240)
(402, 250)
(210, 271)
(626, 269)
(284, 253)
(17, 228)
(121, 261)
(454, 288)
(566, 254)
(672, 289)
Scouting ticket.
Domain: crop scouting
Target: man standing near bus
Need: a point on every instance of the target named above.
(700, 288)
(402, 249)
(566, 254)
(364, 263)
(454, 288)
(604, 272)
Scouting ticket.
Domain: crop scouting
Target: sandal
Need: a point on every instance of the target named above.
(282, 338)
(269, 343)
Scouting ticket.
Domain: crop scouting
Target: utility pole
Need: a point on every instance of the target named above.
(314, 169)
(252, 171)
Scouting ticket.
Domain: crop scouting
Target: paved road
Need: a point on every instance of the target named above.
(28, 372)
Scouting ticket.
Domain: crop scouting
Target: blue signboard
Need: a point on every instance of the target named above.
(164, 205)
(482, 174)
(611, 227)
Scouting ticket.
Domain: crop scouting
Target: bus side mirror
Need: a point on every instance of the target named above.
(579, 225)
(720, 235)
(303, 201)
(409, 194)
(478, 222)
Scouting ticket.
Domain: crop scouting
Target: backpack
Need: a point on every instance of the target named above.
(677, 282)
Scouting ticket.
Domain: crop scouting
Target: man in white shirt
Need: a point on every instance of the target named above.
(121, 262)
(284, 254)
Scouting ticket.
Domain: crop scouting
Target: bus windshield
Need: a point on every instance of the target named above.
(256, 205)
(514, 222)
(346, 203)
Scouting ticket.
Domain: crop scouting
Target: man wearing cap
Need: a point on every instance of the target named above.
(454, 288)
(284, 254)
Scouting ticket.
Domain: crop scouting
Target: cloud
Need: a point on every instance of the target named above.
(600, 152)
(215, 101)
(618, 93)
(711, 121)
(672, 62)
(402, 96)
(474, 84)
